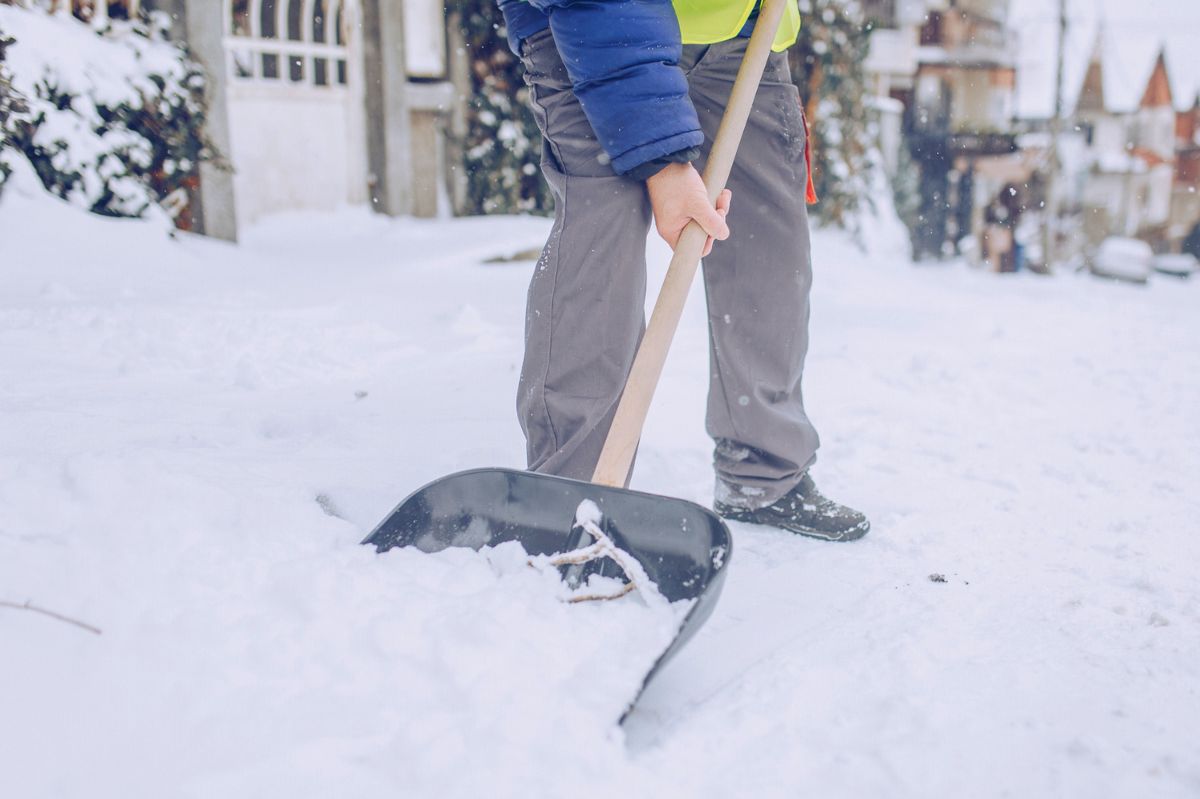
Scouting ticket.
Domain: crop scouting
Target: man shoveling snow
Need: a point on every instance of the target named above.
(628, 96)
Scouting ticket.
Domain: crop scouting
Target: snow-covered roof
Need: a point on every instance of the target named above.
(1133, 35)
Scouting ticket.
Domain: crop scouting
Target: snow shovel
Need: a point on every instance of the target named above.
(681, 547)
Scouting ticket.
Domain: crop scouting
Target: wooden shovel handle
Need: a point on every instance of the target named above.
(626, 431)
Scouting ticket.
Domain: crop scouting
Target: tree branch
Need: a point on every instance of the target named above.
(620, 592)
(35, 609)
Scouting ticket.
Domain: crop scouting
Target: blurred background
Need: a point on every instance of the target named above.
(1015, 134)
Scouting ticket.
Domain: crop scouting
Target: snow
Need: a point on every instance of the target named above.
(588, 512)
(1178, 265)
(109, 71)
(1127, 259)
(195, 436)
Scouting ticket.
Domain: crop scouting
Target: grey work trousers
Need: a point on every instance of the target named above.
(585, 314)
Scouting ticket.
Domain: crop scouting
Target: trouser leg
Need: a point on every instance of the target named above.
(584, 315)
(757, 285)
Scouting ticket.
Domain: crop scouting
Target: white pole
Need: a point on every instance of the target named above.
(99, 13)
(1049, 239)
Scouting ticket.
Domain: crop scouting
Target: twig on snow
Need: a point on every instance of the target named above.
(28, 605)
(577, 556)
(620, 592)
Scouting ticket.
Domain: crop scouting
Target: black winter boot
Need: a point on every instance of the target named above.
(803, 510)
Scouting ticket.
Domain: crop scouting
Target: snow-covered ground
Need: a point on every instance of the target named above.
(194, 437)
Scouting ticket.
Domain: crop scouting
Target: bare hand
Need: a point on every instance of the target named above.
(678, 196)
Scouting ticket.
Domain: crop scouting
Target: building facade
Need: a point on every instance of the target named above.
(950, 64)
(1184, 224)
(1140, 171)
(318, 104)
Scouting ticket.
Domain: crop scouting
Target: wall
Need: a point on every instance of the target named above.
(293, 150)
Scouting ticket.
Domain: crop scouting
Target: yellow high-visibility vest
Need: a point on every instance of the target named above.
(711, 21)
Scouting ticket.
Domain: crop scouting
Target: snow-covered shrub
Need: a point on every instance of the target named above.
(115, 119)
(12, 112)
(827, 63)
(502, 150)
(906, 190)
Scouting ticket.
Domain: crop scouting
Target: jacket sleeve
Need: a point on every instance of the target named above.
(623, 60)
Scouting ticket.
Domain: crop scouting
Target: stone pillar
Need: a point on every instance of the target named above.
(460, 79)
(407, 115)
(389, 153)
(430, 104)
(99, 14)
(205, 34)
(201, 25)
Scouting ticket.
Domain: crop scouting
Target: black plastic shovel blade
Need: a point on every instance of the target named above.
(683, 547)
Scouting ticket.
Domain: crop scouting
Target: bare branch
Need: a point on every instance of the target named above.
(620, 592)
(577, 556)
(28, 605)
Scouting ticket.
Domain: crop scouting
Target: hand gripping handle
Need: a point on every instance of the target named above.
(617, 455)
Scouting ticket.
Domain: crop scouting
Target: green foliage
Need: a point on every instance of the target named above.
(502, 149)
(827, 64)
(10, 103)
(906, 190)
(12, 109)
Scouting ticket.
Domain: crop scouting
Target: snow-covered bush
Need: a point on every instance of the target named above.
(115, 119)
(502, 150)
(12, 110)
(827, 64)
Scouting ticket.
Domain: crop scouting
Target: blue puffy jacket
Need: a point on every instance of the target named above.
(623, 60)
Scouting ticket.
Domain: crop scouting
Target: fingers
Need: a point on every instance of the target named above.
(678, 197)
(693, 206)
(712, 220)
(722, 211)
(723, 201)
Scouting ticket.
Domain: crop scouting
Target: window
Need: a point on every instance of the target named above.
(298, 42)
(880, 13)
(320, 15)
(295, 33)
(339, 32)
(241, 18)
(243, 60)
(931, 31)
(295, 20)
(268, 19)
